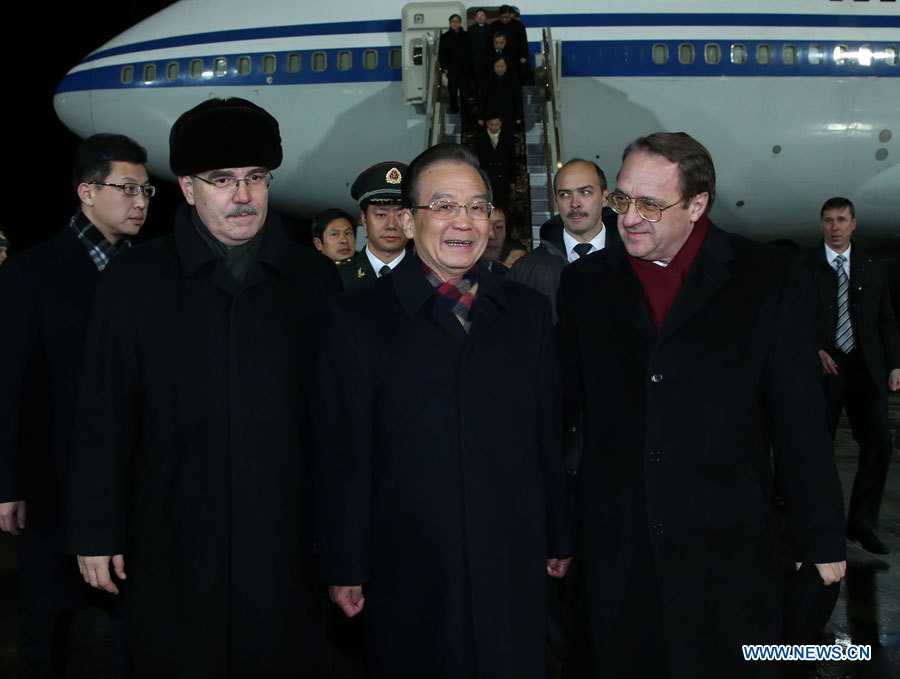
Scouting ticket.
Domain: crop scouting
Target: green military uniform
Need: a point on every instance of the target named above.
(355, 270)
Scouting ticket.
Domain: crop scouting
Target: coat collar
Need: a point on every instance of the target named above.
(194, 253)
(707, 275)
(413, 291)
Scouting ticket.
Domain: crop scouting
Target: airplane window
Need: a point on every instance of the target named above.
(149, 73)
(713, 53)
(293, 62)
(738, 53)
(172, 70)
(196, 68)
(370, 60)
(244, 64)
(220, 66)
(865, 55)
(840, 54)
(816, 54)
(268, 63)
(763, 54)
(345, 60)
(789, 54)
(127, 74)
(660, 53)
(395, 58)
(891, 54)
(686, 53)
(319, 61)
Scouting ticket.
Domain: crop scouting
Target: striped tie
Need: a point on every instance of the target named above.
(843, 335)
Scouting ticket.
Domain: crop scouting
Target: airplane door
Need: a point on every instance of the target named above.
(417, 21)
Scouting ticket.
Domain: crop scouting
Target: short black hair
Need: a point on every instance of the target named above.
(696, 172)
(837, 203)
(601, 175)
(324, 218)
(455, 15)
(504, 9)
(477, 10)
(96, 154)
(499, 32)
(440, 153)
(509, 245)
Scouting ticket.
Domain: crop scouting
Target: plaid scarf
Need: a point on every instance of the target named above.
(460, 294)
(100, 249)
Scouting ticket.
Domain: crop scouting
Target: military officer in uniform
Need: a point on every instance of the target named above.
(377, 191)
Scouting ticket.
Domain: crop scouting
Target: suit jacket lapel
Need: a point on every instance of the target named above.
(706, 276)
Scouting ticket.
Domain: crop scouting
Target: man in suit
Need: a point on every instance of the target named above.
(421, 474)
(191, 467)
(496, 149)
(691, 352)
(48, 292)
(455, 59)
(859, 346)
(377, 191)
(579, 193)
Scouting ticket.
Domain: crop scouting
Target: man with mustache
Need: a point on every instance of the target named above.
(579, 193)
(189, 484)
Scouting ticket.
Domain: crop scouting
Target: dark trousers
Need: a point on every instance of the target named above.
(51, 590)
(866, 403)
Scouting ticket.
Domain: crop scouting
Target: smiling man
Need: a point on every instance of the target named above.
(441, 525)
(189, 485)
(713, 368)
(47, 293)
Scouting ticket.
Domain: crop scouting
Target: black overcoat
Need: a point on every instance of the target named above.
(193, 459)
(678, 534)
(440, 474)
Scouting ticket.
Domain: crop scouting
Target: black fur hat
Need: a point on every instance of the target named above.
(224, 133)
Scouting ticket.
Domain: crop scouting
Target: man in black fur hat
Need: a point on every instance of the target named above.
(190, 464)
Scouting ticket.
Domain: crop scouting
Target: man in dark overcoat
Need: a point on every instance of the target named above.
(859, 346)
(189, 472)
(47, 293)
(714, 366)
(455, 60)
(438, 522)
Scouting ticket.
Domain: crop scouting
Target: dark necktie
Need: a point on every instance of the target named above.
(843, 334)
(384, 271)
(582, 249)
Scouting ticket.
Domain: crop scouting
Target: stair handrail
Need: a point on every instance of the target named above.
(435, 115)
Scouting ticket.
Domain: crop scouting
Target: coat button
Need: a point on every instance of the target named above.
(655, 456)
(657, 377)
(657, 528)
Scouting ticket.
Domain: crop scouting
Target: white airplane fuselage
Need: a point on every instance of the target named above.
(796, 104)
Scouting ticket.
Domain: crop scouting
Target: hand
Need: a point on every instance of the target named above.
(894, 379)
(12, 517)
(556, 568)
(830, 572)
(829, 367)
(95, 571)
(349, 597)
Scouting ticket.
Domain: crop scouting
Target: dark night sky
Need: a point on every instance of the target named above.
(47, 52)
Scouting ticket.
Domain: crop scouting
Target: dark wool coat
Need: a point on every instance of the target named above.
(440, 481)
(47, 293)
(678, 535)
(190, 454)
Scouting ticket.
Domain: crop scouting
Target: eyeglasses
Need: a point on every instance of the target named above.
(131, 189)
(253, 181)
(649, 210)
(448, 209)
